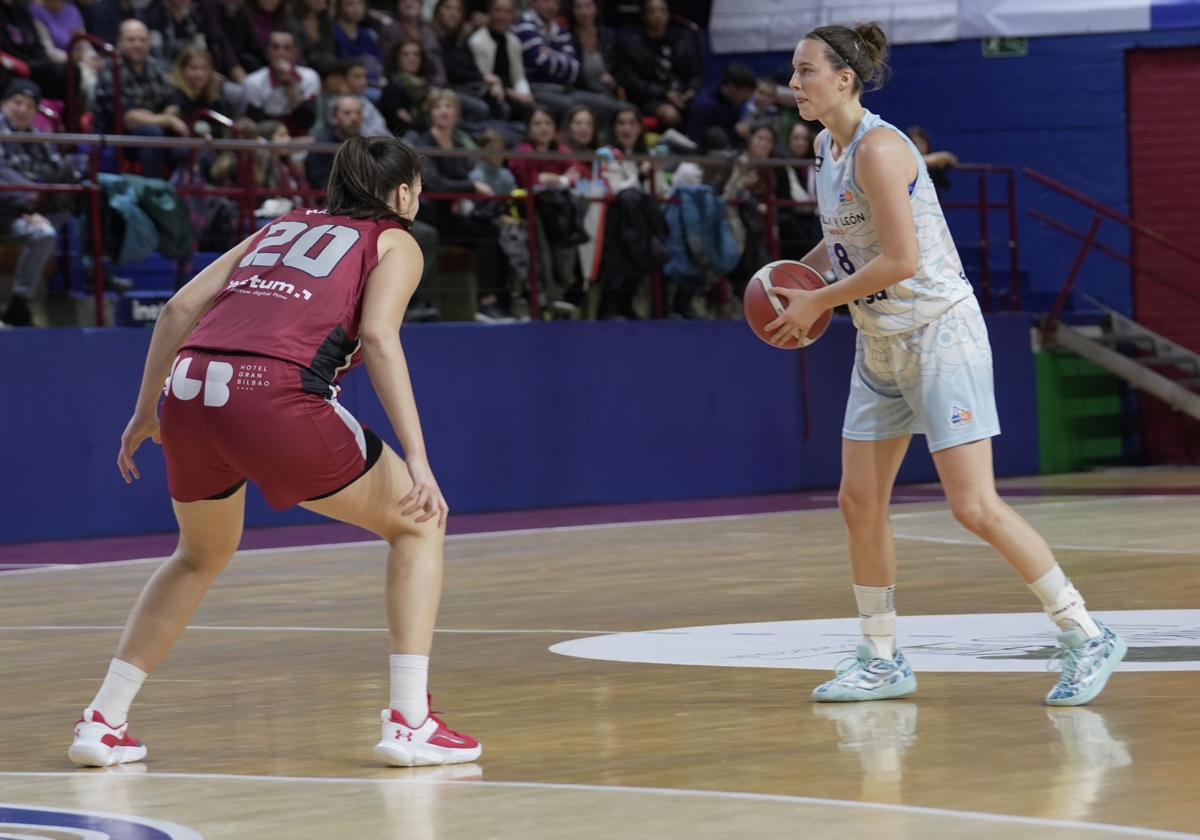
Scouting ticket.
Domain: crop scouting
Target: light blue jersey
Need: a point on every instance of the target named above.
(850, 237)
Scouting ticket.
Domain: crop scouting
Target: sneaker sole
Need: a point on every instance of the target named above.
(890, 692)
(397, 756)
(1119, 651)
(98, 755)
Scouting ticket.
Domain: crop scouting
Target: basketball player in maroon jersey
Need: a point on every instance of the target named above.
(259, 341)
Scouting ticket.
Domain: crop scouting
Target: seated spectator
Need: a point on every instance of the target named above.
(19, 38)
(313, 28)
(764, 105)
(799, 227)
(282, 90)
(267, 16)
(497, 53)
(357, 83)
(755, 182)
(551, 64)
(147, 99)
(102, 18)
(174, 26)
(540, 137)
(558, 216)
(238, 52)
(58, 21)
(627, 135)
(454, 221)
(579, 134)
(462, 74)
(938, 163)
(345, 121)
(658, 66)
(195, 87)
(20, 219)
(332, 72)
(403, 100)
(491, 169)
(721, 104)
(595, 46)
(409, 26)
(353, 38)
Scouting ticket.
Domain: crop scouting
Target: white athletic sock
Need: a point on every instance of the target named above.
(1063, 602)
(410, 679)
(121, 684)
(877, 617)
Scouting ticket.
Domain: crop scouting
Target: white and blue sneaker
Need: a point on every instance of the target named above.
(1086, 665)
(868, 677)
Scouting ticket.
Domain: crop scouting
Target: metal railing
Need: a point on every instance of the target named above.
(247, 194)
(1088, 240)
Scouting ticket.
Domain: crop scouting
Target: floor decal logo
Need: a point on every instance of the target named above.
(1159, 640)
(27, 821)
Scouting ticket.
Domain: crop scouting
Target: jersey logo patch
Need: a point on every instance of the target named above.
(820, 160)
(960, 416)
(845, 197)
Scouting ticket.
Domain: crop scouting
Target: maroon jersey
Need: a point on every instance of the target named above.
(296, 295)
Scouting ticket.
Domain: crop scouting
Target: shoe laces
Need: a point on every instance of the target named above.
(1069, 657)
(433, 715)
(847, 665)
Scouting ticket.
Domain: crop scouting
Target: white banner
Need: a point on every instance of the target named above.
(749, 26)
(991, 18)
(741, 26)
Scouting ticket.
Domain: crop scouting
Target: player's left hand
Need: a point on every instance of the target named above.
(801, 312)
(136, 431)
(426, 497)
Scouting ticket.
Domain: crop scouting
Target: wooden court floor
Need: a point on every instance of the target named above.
(675, 703)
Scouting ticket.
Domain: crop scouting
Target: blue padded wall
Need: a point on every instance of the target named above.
(527, 416)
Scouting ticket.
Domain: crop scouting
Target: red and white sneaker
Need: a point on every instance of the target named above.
(404, 745)
(99, 745)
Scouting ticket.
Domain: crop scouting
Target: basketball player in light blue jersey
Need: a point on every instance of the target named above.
(923, 365)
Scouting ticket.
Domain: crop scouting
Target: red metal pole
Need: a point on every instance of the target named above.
(535, 308)
(985, 270)
(97, 240)
(1014, 257)
(1076, 267)
(772, 220)
(656, 275)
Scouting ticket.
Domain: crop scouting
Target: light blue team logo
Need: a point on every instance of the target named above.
(26, 822)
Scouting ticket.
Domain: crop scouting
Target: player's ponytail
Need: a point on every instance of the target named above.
(366, 172)
(864, 49)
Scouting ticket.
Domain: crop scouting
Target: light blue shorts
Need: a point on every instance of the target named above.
(935, 381)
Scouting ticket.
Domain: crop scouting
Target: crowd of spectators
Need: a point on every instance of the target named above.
(442, 74)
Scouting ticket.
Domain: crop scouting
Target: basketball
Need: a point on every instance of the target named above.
(761, 306)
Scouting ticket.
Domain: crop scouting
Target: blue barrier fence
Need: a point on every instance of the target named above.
(523, 416)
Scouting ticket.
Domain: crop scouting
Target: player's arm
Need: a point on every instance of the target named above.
(885, 167)
(389, 289)
(179, 315)
(818, 258)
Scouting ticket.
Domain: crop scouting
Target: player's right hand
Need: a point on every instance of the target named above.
(136, 432)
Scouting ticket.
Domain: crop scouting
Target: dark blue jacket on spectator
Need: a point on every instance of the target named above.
(548, 52)
(711, 107)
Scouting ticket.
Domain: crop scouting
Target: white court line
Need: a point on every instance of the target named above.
(1108, 549)
(280, 629)
(981, 816)
(600, 526)
(256, 552)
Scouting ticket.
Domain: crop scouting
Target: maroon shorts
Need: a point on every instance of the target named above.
(228, 418)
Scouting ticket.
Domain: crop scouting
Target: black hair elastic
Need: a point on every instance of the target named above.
(840, 54)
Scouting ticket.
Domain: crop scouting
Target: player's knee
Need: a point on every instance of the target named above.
(860, 505)
(407, 527)
(203, 562)
(978, 514)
